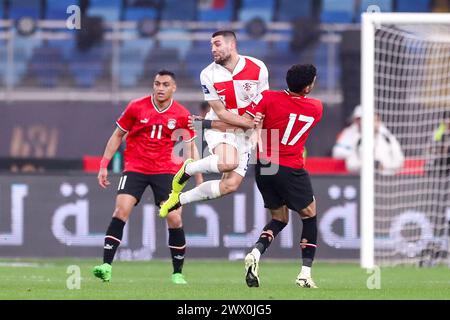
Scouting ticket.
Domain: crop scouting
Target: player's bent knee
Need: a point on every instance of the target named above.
(174, 220)
(121, 213)
(308, 212)
(228, 187)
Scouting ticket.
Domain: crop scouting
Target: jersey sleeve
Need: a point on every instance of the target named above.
(259, 104)
(126, 119)
(263, 83)
(209, 91)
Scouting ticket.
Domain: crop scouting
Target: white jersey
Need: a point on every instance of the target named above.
(237, 90)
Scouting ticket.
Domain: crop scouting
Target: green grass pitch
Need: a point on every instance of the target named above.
(215, 279)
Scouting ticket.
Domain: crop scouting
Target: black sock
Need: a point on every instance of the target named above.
(308, 241)
(112, 239)
(177, 246)
(270, 231)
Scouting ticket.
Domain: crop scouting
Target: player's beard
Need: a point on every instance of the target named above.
(223, 61)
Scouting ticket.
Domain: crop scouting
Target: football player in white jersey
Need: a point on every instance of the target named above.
(230, 85)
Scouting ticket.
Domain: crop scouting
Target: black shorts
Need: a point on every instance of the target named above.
(290, 187)
(134, 184)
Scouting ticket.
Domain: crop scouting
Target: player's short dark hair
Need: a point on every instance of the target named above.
(165, 72)
(225, 33)
(299, 76)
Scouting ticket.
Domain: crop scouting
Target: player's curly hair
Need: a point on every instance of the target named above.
(299, 76)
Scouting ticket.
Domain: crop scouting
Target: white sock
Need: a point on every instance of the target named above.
(256, 253)
(205, 165)
(306, 271)
(205, 191)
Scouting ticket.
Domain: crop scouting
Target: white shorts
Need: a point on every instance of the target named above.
(239, 141)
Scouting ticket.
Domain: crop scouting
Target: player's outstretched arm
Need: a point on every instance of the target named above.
(111, 147)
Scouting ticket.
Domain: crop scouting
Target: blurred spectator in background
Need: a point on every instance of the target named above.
(438, 153)
(389, 157)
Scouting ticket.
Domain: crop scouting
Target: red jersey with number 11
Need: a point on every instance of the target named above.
(152, 134)
(287, 123)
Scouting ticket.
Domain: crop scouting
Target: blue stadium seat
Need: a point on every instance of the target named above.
(47, 65)
(413, 6)
(87, 66)
(136, 14)
(132, 58)
(292, 9)
(2, 9)
(179, 10)
(209, 11)
(109, 10)
(248, 14)
(384, 5)
(337, 11)
(198, 57)
(253, 48)
(57, 9)
(183, 42)
(161, 58)
(3, 62)
(24, 8)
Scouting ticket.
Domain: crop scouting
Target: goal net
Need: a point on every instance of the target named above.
(406, 85)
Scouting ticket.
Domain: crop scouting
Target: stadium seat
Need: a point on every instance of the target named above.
(160, 58)
(253, 8)
(133, 53)
(198, 57)
(179, 10)
(109, 10)
(2, 9)
(136, 14)
(3, 62)
(182, 41)
(254, 48)
(337, 11)
(384, 5)
(24, 8)
(413, 6)
(87, 66)
(46, 65)
(218, 10)
(289, 10)
(57, 9)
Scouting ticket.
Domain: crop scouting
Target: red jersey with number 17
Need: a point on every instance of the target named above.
(288, 121)
(152, 134)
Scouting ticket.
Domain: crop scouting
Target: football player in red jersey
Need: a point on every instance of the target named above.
(152, 125)
(284, 184)
(288, 115)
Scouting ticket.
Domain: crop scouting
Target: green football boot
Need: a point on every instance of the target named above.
(178, 278)
(181, 177)
(171, 204)
(103, 272)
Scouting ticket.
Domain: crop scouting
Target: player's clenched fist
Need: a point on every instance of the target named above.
(257, 120)
(191, 121)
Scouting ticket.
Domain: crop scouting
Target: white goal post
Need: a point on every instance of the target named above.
(405, 81)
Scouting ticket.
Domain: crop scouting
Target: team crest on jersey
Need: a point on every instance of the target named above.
(171, 124)
(247, 86)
